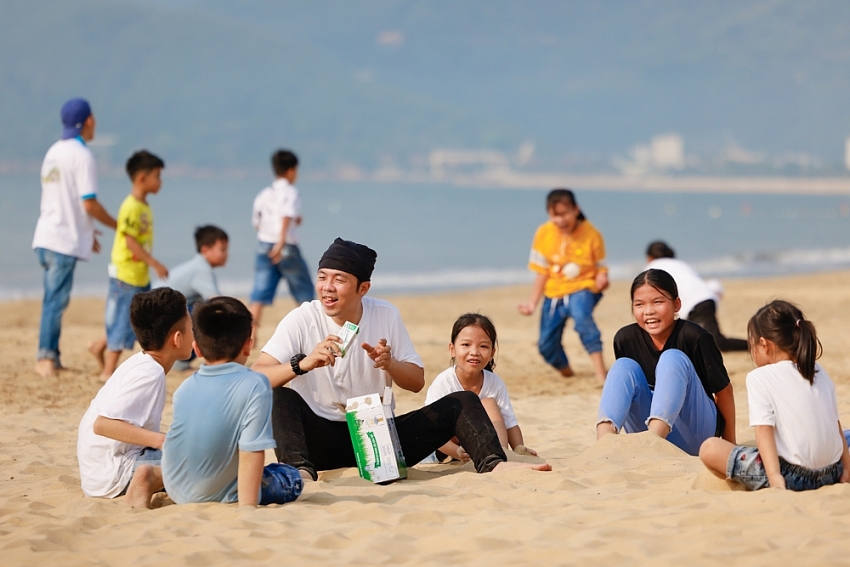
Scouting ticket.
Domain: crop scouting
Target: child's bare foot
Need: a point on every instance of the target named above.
(96, 349)
(509, 466)
(605, 428)
(45, 368)
(567, 372)
(305, 475)
(600, 378)
(147, 479)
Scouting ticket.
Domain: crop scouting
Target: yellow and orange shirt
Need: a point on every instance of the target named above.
(571, 261)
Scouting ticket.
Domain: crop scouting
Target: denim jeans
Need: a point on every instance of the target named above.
(119, 331)
(281, 484)
(58, 279)
(292, 268)
(148, 456)
(553, 319)
(745, 466)
(679, 400)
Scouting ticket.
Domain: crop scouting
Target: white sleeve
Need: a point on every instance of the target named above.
(86, 178)
(256, 213)
(440, 387)
(761, 410)
(402, 346)
(504, 402)
(136, 401)
(289, 337)
(290, 206)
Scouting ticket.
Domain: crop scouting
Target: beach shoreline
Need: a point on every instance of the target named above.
(629, 499)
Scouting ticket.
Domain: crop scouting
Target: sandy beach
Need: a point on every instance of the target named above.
(628, 500)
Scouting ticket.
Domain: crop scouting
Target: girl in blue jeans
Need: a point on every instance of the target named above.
(669, 376)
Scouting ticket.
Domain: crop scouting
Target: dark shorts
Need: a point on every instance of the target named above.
(745, 466)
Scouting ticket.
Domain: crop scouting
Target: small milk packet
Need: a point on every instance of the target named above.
(347, 334)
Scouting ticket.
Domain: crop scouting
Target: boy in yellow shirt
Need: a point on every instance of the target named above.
(568, 256)
(131, 256)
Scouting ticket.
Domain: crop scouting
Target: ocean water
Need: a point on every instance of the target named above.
(439, 236)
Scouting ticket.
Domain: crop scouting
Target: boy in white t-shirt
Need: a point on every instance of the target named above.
(119, 445)
(276, 218)
(65, 229)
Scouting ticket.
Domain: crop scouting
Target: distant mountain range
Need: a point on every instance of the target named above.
(748, 87)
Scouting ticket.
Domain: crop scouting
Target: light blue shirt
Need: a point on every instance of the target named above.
(194, 279)
(218, 411)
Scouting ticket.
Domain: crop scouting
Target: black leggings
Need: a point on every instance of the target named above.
(313, 443)
(704, 314)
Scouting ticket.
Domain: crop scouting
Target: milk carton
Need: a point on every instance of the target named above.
(371, 424)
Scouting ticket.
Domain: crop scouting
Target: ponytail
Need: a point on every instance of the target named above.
(783, 324)
(808, 349)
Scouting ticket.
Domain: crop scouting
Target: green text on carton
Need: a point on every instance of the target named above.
(371, 423)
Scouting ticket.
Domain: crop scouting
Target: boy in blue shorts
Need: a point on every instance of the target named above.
(131, 256)
(215, 449)
(276, 217)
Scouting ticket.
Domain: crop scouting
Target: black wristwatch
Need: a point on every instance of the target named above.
(295, 363)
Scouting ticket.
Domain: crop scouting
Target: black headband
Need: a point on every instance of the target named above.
(351, 258)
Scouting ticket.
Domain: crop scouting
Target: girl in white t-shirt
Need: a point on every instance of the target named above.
(473, 347)
(800, 444)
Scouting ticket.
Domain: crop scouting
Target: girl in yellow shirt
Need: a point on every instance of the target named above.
(567, 255)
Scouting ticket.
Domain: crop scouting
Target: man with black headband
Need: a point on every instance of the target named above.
(308, 417)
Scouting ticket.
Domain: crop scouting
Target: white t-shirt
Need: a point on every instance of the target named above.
(805, 415)
(355, 375)
(493, 387)
(68, 177)
(136, 394)
(692, 288)
(270, 206)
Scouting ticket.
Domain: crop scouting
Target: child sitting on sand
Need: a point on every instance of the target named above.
(799, 441)
(669, 375)
(119, 443)
(215, 449)
(473, 347)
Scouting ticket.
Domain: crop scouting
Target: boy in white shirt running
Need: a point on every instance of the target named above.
(119, 444)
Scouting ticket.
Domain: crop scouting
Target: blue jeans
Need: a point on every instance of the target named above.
(281, 484)
(148, 456)
(746, 467)
(292, 268)
(679, 400)
(553, 319)
(119, 332)
(58, 279)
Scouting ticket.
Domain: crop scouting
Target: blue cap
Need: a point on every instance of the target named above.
(74, 114)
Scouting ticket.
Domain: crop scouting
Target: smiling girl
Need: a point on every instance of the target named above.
(669, 375)
(473, 346)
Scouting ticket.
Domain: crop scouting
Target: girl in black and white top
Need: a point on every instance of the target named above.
(669, 375)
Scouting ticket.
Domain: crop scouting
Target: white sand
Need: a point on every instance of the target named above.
(628, 500)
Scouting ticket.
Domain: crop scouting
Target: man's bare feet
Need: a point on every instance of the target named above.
(147, 479)
(510, 466)
(567, 372)
(96, 349)
(46, 368)
(305, 475)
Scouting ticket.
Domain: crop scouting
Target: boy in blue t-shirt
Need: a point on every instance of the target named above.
(215, 449)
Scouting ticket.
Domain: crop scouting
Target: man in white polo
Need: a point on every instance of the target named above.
(65, 229)
(308, 417)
